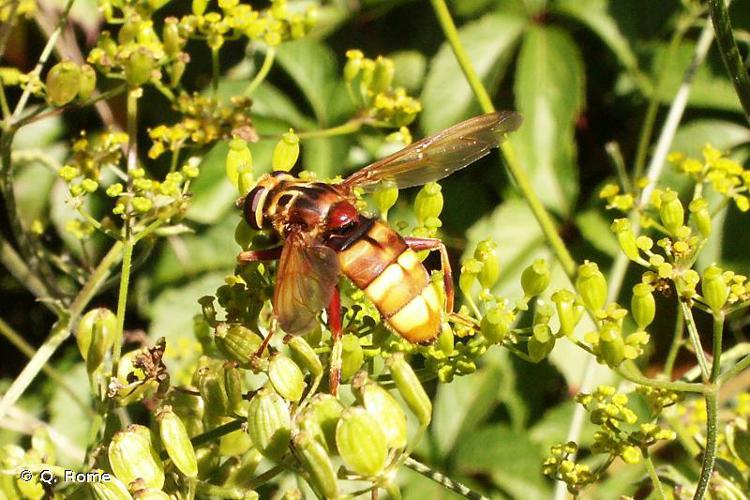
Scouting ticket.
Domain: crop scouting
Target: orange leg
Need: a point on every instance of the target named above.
(260, 255)
(333, 312)
(419, 244)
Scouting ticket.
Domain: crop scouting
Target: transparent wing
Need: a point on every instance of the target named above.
(438, 155)
(306, 277)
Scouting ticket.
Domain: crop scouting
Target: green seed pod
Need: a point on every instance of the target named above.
(315, 459)
(361, 442)
(486, 253)
(410, 388)
(209, 459)
(213, 391)
(87, 84)
(95, 336)
(469, 272)
(244, 234)
(715, 289)
(611, 345)
(172, 40)
(671, 212)
(237, 343)
(63, 82)
(269, 424)
(569, 312)
(496, 323)
(353, 65)
(429, 202)
(286, 377)
(541, 343)
(233, 386)
(199, 7)
(626, 238)
(701, 216)
(132, 457)
(108, 490)
(386, 410)
(642, 305)
(176, 70)
(242, 475)
(239, 160)
(592, 286)
(235, 443)
(190, 409)
(286, 152)
(304, 355)
(139, 67)
(150, 494)
(320, 417)
(446, 339)
(352, 356)
(535, 278)
(382, 76)
(385, 197)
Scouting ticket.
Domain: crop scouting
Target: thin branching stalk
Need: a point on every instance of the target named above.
(349, 127)
(262, 72)
(653, 475)
(730, 54)
(443, 480)
(17, 267)
(61, 330)
(122, 299)
(695, 339)
(718, 333)
(629, 371)
(543, 217)
(674, 348)
(20, 343)
(709, 455)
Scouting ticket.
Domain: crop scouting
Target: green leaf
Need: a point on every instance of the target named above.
(711, 87)
(723, 135)
(596, 16)
(326, 157)
(549, 91)
(409, 69)
(512, 459)
(313, 68)
(447, 97)
(552, 428)
(594, 226)
(192, 255)
(461, 405)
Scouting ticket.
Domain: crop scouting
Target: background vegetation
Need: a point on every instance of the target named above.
(598, 83)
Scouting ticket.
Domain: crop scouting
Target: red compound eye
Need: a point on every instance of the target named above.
(342, 214)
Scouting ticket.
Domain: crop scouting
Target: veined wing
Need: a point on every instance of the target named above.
(438, 155)
(306, 278)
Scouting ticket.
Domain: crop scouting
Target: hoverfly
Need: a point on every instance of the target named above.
(325, 236)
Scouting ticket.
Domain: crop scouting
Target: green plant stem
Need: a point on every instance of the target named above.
(20, 270)
(730, 54)
(20, 343)
(628, 371)
(214, 71)
(674, 348)
(61, 331)
(132, 128)
(4, 104)
(653, 475)
(443, 480)
(543, 218)
(46, 52)
(695, 339)
(718, 333)
(262, 72)
(735, 370)
(349, 127)
(122, 299)
(709, 456)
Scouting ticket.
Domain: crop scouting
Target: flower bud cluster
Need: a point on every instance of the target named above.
(204, 120)
(370, 84)
(561, 465)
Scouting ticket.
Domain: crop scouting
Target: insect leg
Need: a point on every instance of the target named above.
(419, 244)
(260, 255)
(333, 311)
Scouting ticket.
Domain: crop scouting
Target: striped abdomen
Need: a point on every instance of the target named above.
(380, 263)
